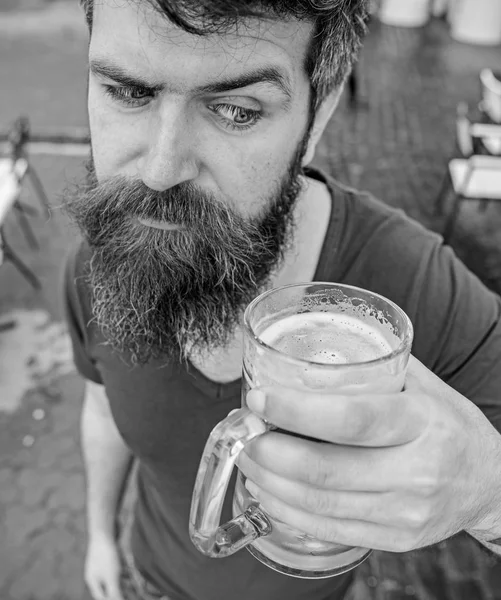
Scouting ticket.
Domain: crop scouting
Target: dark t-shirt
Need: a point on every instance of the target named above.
(166, 412)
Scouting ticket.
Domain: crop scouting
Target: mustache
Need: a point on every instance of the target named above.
(224, 241)
(108, 210)
(184, 204)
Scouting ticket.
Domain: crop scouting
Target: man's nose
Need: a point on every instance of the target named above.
(169, 157)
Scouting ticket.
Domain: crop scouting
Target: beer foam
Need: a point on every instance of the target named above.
(329, 338)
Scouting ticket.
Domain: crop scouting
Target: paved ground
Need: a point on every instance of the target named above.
(396, 146)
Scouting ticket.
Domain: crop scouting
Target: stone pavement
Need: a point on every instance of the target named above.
(396, 146)
(42, 495)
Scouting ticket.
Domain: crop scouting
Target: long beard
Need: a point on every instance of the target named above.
(164, 294)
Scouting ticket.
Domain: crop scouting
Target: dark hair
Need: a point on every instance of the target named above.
(339, 26)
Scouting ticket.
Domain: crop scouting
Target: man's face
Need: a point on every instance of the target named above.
(223, 112)
(197, 147)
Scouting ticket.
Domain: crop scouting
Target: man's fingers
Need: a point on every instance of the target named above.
(360, 420)
(96, 589)
(321, 465)
(374, 507)
(114, 592)
(105, 590)
(340, 531)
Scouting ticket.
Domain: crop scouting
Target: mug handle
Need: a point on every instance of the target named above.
(224, 445)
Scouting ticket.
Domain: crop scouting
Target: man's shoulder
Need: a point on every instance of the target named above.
(366, 211)
(359, 211)
(367, 231)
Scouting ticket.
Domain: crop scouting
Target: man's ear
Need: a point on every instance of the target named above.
(322, 117)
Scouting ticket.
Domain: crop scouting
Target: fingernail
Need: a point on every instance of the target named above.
(256, 400)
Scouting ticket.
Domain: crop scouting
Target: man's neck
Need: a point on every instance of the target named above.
(312, 216)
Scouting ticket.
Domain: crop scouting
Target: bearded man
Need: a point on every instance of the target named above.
(204, 118)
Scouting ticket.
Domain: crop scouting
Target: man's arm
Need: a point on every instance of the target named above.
(107, 461)
(105, 454)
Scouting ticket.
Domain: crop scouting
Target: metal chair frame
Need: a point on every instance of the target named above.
(12, 189)
(16, 145)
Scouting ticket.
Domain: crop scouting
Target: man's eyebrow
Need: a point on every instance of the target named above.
(269, 75)
(266, 75)
(119, 75)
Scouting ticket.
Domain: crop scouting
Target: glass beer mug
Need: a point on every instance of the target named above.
(319, 338)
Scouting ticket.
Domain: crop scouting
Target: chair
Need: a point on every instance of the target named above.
(12, 174)
(490, 104)
(476, 175)
(15, 167)
(490, 83)
(476, 137)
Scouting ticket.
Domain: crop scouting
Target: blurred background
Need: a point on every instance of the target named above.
(417, 127)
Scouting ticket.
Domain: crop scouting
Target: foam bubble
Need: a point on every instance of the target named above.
(329, 338)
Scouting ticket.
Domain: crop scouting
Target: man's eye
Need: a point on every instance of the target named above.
(129, 95)
(237, 117)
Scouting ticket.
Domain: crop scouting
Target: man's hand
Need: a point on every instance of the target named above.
(401, 471)
(103, 569)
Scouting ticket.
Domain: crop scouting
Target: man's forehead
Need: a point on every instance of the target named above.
(134, 33)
